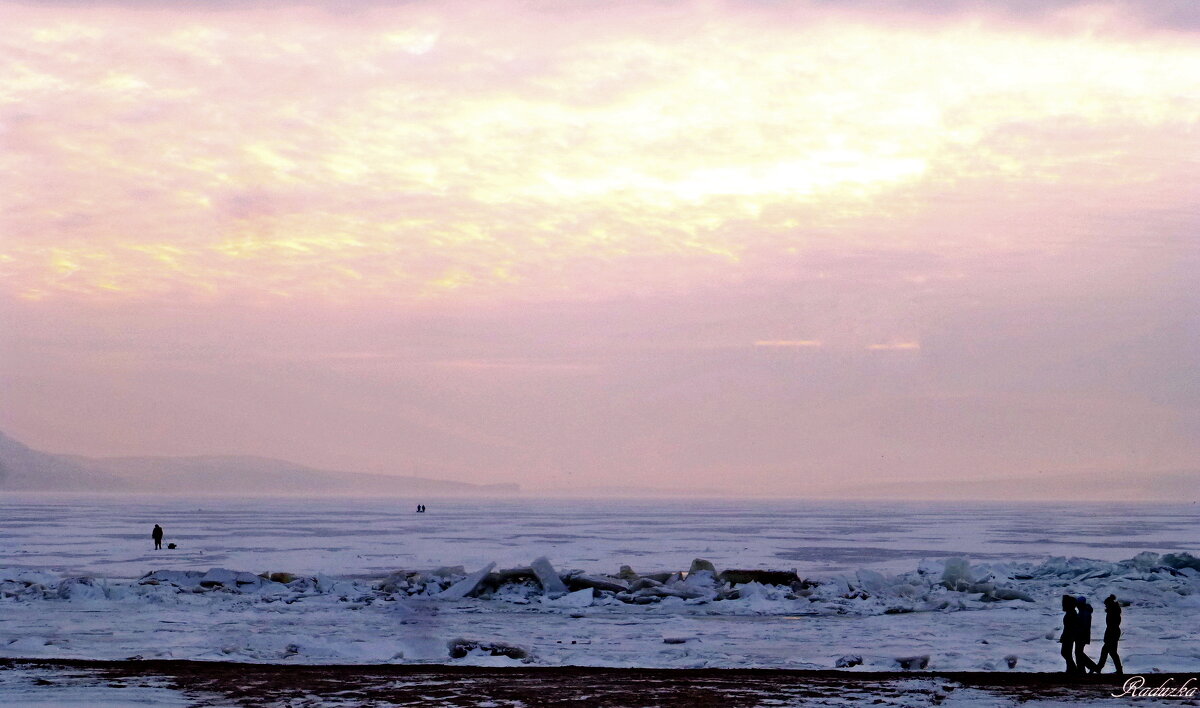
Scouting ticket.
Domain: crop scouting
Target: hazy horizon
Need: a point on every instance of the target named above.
(771, 248)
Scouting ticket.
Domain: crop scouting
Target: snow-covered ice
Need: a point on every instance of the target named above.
(42, 688)
(367, 581)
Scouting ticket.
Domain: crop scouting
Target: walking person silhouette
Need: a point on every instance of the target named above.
(157, 535)
(1069, 633)
(1112, 635)
(1083, 636)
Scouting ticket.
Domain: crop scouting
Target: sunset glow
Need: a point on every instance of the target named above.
(432, 152)
(874, 185)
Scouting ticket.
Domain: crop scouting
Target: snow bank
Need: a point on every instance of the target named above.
(661, 618)
(945, 586)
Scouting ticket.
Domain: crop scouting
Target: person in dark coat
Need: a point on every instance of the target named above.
(1083, 662)
(1112, 634)
(157, 535)
(1069, 633)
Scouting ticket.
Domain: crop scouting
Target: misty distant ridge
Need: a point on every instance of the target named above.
(23, 468)
(26, 469)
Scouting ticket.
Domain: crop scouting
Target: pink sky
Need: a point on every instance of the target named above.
(763, 247)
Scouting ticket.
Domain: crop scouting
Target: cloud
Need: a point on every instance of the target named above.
(424, 153)
(1181, 15)
(542, 240)
(789, 343)
(525, 366)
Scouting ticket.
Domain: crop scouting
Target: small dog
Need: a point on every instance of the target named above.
(171, 545)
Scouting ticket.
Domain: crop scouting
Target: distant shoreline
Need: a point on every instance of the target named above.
(254, 684)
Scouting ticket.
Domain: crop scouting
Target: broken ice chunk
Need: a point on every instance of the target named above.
(467, 585)
(548, 577)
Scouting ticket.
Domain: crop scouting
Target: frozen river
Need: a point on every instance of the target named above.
(877, 567)
(110, 536)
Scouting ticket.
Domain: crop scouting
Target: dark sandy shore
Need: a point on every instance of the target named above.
(227, 684)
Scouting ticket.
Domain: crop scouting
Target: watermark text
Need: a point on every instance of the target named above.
(1135, 687)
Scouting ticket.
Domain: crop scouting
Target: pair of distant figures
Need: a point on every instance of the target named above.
(420, 508)
(157, 535)
(1077, 633)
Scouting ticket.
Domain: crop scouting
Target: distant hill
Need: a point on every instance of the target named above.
(632, 492)
(22, 468)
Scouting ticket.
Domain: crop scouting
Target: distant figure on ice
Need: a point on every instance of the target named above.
(157, 535)
(1083, 662)
(1112, 634)
(1069, 633)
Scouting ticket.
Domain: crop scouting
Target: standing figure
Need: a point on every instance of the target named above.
(1070, 631)
(157, 535)
(1112, 634)
(1083, 662)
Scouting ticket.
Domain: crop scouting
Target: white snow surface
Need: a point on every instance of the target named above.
(79, 579)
